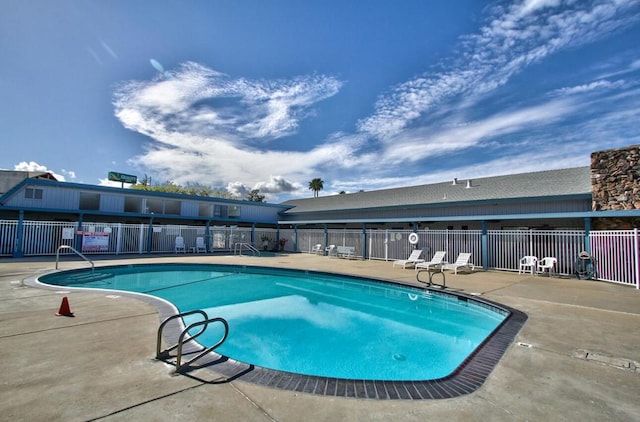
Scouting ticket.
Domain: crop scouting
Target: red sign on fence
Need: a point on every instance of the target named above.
(95, 242)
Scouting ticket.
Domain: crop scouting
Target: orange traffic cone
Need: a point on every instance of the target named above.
(65, 310)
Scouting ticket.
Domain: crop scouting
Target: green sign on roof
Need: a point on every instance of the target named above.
(121, 177)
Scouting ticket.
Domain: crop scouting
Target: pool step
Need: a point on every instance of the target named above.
(88, 277)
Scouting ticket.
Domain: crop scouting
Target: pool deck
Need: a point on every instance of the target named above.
(576, 358)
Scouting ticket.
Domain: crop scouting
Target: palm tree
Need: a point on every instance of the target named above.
(316, 186)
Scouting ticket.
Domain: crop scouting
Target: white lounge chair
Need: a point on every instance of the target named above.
(438, 259)
(546, 264)
(179, 247)
(331, 251)
(200, 246)
(317, 249)
(527, 264)
(413, 259)
(461, 262)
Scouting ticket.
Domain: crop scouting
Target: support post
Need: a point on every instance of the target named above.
(253, 234)
(636, 258)
(587, 234)
(326, 235)
(77, 242)
(484, 246)
(207, 237)
(150, 235)
(17, 247)
(364, 241)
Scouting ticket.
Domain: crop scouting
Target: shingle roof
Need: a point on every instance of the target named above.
(550, 183)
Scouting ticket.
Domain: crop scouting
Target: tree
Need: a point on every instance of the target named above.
(316, 186)
(191, 189)
(255, 196)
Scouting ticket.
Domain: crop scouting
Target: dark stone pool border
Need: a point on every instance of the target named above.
(467, 378)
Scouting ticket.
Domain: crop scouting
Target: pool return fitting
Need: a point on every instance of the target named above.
(165, 354)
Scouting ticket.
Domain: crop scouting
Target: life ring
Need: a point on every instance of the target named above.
(413, 238)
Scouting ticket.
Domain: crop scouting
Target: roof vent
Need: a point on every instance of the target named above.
(455, 181)
(469, 184)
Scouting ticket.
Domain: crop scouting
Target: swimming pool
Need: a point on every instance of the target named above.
(318, 325)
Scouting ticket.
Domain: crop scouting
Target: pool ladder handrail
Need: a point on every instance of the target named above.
(93, 267)
(237, 248)
(165, 354)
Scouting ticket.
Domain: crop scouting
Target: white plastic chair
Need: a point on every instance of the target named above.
(180, 245)
(317, 249)
(546, 264)
(331, 251)
(200, 245)
(527, 264)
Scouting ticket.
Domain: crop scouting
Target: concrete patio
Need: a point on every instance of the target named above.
(577, 357)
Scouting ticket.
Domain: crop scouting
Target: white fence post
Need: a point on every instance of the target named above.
(636, 251)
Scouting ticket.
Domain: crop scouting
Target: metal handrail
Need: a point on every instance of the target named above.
(237, 248)
(206, 323)
(77, 253)
(165, 352)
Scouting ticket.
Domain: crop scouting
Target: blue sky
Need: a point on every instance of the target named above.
(269, 94)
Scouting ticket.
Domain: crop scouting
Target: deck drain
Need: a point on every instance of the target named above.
(607, 359)
(527, 345)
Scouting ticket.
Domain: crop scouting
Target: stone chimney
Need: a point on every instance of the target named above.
(615, 179)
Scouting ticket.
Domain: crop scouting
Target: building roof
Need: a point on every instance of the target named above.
(571, 182)
(10, 178)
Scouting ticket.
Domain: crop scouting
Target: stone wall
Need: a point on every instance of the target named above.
(615, 179)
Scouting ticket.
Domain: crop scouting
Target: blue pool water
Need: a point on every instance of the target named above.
(313, 323)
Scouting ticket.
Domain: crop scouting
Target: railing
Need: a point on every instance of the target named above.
(237, 248)
(77, 253)
(165, 354)
(617, 252)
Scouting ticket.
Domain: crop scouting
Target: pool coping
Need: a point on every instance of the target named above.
(467, 378)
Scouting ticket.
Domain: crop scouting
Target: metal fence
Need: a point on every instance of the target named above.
(506, 247)
(616, 252)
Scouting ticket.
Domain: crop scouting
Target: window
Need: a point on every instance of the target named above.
(205, 210)
(172, 207)
(234, 211)
(220, 211)
(33, 193)
(89, 201)
(154, 206)
(132, 204)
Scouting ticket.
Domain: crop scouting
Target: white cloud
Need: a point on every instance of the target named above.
(202, 101)
(421, 143)
(208, 127)
(238, 189)
(70, 173)
(35, 167)
(277, 184)
(111, 183)
(514, 38)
